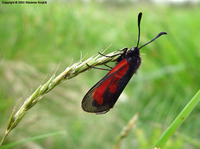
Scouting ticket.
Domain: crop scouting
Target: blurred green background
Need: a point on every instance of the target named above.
(34, 39)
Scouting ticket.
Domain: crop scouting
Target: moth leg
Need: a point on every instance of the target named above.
(97, 67)
(108, 66)
(124, 50)
(122, 54)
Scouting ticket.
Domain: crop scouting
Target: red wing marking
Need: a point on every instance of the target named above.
(111, 82)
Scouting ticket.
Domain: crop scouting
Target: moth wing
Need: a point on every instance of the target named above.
(88, 101)
(112, 85)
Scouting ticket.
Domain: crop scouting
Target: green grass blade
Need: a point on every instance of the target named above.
(178, 121)
(14, 144)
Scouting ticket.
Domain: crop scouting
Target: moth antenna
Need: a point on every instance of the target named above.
(139, 20)
(160, 34)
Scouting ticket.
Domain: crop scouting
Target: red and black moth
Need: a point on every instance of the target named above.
(103, 95)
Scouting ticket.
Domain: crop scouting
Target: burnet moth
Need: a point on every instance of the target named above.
(103, 95)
